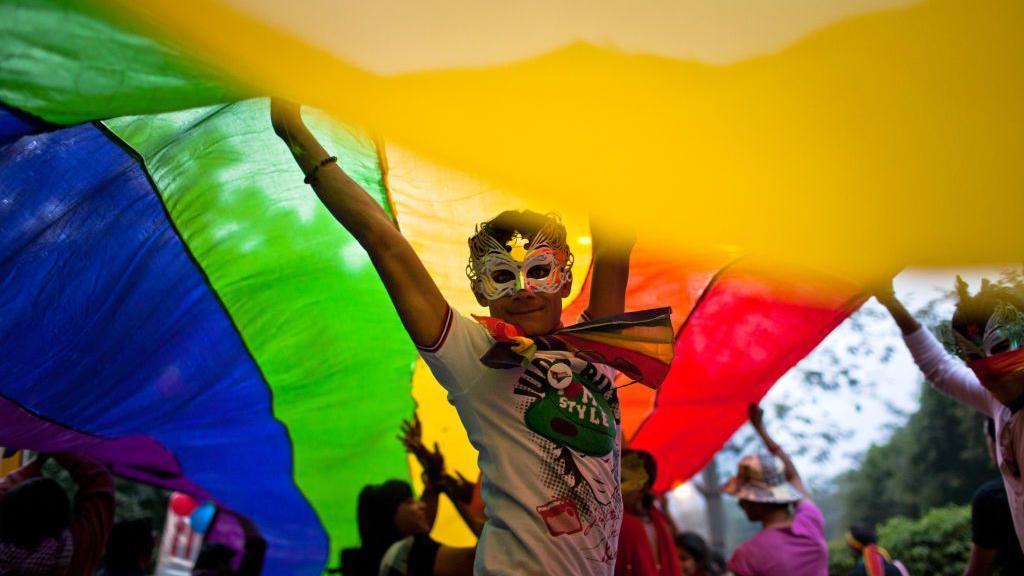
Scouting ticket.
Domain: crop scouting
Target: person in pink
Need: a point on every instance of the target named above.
(987, 334)
(770, 491)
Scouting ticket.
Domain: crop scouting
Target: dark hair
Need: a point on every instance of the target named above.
(864, 533)
(130, 541)
(377, 531)
(695, 546)
(526, 222)
(214, 558)
(977, 309)
(33, 511)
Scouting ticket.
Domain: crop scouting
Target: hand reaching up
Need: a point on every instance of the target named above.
(459, 488)
(412, 438)
(756, 414)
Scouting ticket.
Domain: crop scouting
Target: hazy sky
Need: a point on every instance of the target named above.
(896, 381)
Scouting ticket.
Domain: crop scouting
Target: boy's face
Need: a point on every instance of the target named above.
(537, 313)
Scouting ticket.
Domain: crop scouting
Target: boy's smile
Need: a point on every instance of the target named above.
(537, 313)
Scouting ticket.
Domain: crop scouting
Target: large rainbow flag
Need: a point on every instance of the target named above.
(175, 302)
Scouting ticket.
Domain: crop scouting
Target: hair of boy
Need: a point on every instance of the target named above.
(503, 227)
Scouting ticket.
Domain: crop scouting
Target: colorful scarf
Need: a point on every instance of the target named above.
(873, 555)
(641, 344)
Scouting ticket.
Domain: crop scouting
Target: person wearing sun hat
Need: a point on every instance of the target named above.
(770, 491)
(986, 333)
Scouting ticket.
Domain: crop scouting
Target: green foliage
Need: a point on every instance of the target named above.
(938, 458)
(840, 561)
(936, 544)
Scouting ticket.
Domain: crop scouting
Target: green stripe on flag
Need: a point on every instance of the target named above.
(302, 292)
(68, 62)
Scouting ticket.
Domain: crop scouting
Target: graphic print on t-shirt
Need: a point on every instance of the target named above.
(572, 410)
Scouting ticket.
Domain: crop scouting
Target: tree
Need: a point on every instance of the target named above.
(936, 544)
(938, 458)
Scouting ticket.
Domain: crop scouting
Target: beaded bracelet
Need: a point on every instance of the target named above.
(312, 175)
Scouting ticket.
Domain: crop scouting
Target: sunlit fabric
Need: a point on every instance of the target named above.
(176, 302)
(745, 332)
(855, 139)
(114, 344)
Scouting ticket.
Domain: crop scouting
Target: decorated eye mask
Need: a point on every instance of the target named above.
(1003, 332)
(994, 351)
(498, 271)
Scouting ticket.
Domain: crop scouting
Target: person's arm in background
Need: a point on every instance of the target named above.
(430, 497)
(452, 561)
(982, 561)
(886, 296)
(93, 510)
(460, 492)
(419, 302)
(431, 461)
(792, 476)
(942, 371)
(612, 249)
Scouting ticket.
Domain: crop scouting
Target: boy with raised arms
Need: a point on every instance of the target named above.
(546, 424)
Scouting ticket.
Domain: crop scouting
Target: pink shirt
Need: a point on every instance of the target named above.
(954, 379)
(795, 550)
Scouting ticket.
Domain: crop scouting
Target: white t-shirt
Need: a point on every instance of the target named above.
(549, 443)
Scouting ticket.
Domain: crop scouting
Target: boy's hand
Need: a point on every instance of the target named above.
(284, 116)
(606, 235)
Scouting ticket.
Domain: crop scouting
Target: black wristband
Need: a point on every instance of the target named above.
(312, 175)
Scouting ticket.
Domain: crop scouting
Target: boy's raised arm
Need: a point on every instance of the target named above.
(417, 299)
(612, 249)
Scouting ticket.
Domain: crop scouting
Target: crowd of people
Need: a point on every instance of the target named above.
(44, 532)
(558, 492)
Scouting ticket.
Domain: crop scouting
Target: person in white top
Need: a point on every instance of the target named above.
(547, 430)
(987, 333)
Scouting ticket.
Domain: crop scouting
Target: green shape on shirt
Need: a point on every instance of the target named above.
(578, 417)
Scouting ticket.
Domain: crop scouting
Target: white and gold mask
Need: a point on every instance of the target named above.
(540, 264)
